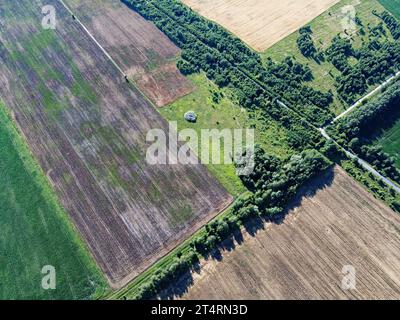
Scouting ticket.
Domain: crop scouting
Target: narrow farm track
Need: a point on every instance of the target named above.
(363, 99)
(146, 56)
(363, 163)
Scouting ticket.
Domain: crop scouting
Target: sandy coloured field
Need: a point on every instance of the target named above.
(303, 258)
(261, 23)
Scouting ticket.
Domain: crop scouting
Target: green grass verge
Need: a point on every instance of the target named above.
(36, 231)
(392, 5)
(325, 27)
(216, 110)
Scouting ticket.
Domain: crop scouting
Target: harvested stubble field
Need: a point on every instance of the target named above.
(302, 258)
(261, 23)
(145, 54)
(87, 127)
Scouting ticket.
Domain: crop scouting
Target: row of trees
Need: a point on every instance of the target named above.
(271, 186)
(362, 126)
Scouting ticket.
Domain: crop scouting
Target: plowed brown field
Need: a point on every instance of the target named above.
(145, 54)
(303, 258)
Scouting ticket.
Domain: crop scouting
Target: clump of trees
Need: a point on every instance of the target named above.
(392, 24)
(374, 61)
(305, 42)
(339, 51)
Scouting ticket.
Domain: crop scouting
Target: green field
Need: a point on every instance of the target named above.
(217, 111)
(35, 230)
(392, 5)
(325, 28)
(390, 141)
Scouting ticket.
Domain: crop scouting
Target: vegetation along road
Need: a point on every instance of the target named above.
(362, 100)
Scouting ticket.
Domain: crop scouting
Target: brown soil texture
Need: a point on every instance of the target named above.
(303, 258)
(145, 54)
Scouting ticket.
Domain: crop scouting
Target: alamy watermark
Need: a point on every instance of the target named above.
(49, 20)
(49, 278)
(349, 278)
(212, 146)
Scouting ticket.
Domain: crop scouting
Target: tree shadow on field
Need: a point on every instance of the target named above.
(252, 227)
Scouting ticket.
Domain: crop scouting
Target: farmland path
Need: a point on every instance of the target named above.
(94, 39)
(351, 155)
(359, 102)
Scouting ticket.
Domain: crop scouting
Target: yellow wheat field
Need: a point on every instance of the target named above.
(261, 23)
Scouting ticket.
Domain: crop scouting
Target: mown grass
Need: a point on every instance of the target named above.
(392, 5)
(325, 27)
(36, 231)
(216, 110)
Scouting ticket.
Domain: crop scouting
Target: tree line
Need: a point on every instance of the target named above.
(371, 64)
(229, 62)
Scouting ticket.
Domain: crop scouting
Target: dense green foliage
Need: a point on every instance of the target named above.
(305, 42)
(375, 60)
(35, 230)
(228, 62)
(392, 24)
(271, 186)
(364, 124)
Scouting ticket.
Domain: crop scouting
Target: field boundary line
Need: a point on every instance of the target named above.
(270, 91)
(93, 38)
(201, 224)
(109, 57)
